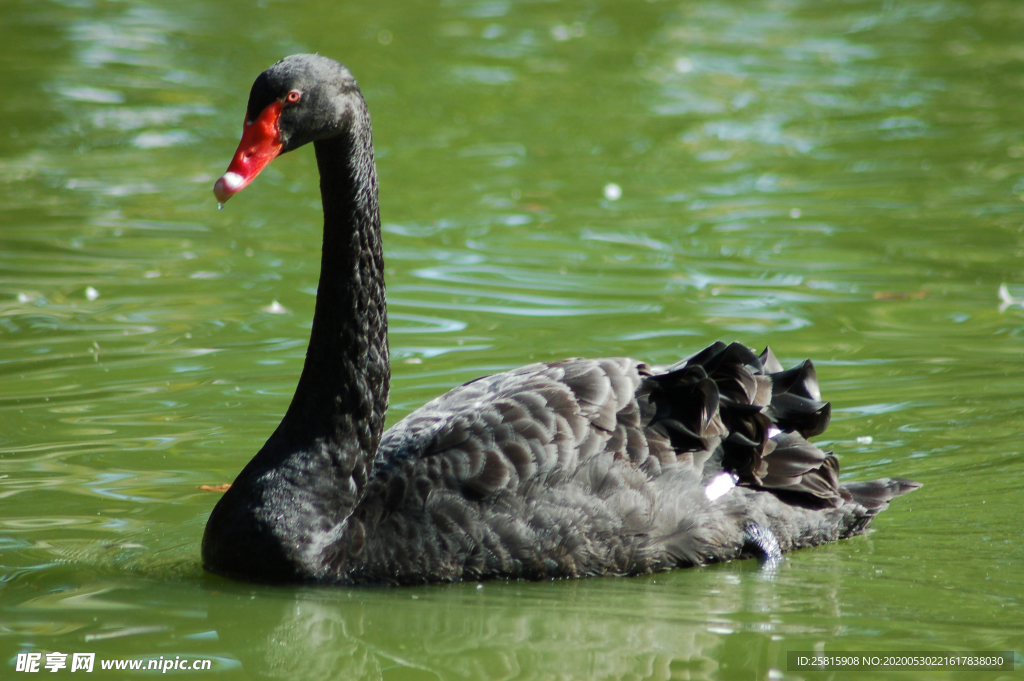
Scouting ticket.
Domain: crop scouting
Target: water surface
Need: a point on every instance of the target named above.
(840, 180)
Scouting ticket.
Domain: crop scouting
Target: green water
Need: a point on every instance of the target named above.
(842, 180)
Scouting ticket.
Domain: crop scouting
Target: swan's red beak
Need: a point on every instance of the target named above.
(261, 144)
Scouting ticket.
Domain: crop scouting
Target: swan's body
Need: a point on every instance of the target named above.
(573, 468)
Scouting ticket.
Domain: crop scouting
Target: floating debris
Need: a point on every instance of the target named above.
(215, 488)
(865, 440)
(612, 191)
(899, 295)
(275, 308)
(1006, 300)
(91, 293)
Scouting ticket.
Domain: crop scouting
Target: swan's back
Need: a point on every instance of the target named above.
(607, 466)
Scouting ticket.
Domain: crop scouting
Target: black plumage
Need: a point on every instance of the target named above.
(564, 469)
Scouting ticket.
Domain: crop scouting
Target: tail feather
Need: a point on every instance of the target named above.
(752, 417)
(875, 495)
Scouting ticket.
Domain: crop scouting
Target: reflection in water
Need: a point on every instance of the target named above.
(593, 630)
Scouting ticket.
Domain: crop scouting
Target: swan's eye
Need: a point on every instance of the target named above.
(293, 96)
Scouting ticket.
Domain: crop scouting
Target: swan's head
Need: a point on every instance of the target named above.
(298, 100)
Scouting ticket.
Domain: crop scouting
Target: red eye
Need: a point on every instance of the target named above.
(294, 96)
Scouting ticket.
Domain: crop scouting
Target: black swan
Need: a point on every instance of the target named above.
(553, 470)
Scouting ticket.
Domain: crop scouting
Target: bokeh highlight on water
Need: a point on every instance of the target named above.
(840, 180)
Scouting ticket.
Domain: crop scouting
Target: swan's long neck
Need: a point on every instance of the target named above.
(290, 502)
(343, 392)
